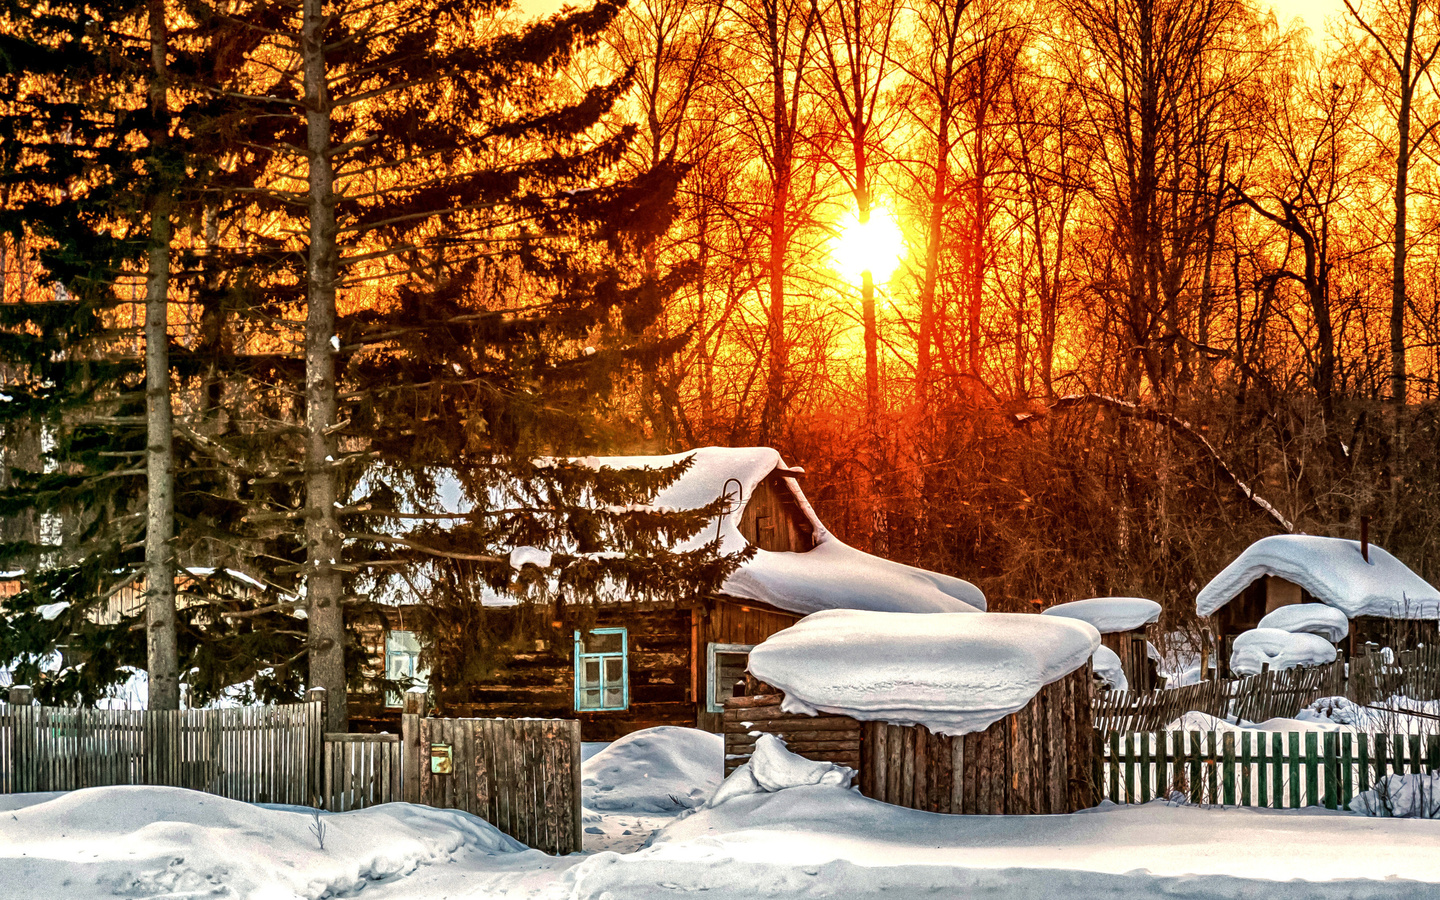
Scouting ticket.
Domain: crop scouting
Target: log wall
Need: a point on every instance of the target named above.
(1039, 760)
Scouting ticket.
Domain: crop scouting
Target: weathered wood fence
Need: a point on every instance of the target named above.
(1263, 769)
(256, 754)
(360, 770)
(1253, 698)
(520, 775)
(1410, 673)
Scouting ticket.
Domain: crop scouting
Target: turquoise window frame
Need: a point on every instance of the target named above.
(581, 657)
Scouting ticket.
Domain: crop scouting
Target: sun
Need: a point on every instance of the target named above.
(876, 246)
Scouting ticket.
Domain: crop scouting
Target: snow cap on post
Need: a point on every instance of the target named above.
(1258, 648)
(1309, 618)
(1333, 572)
(954, 673)
(1109, 614)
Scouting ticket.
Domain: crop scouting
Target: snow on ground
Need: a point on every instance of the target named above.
(953, 673)
(1333, 571)
(636, 785)
(158, 841)
(1109, 614)
(823, 841)
(1257, 648)
(1309, 618)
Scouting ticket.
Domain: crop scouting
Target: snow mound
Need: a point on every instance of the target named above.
(658, 770)
(147, 841)
(1280, 649)
(773, 768)
(1411, 796)
(1109, 614)
(1333, 571)
(1309, 618)
(1108, 668)
(953, 673)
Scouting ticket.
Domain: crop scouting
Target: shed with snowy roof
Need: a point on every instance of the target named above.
(946, 713)
(624, 668)
(1384, 600)
(1121, 622)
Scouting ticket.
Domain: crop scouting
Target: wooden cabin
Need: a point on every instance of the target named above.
(1123, 623)
(1037, 761)
(1385, 601)
(619, 668)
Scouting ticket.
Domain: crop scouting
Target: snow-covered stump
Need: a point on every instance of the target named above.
(1036, 761)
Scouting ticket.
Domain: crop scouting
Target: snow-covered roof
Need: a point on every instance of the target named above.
(1309, 618)
(1333, 571)
(952, 673)
(1259, 647)
(832, 575)
(1109, 614)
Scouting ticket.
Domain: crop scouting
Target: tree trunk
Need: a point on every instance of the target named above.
(162, 656)
(1397, 277)
(323, 541)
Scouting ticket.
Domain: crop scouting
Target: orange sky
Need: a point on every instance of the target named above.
(1314, 12)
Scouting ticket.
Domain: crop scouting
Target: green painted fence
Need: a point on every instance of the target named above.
(1271, 769)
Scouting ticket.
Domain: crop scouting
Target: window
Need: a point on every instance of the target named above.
(726, 667)
(402, 664)
(602, 673)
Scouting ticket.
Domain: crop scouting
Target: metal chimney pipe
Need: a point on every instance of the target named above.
(1365, 538)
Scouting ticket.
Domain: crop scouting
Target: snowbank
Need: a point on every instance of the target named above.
(1333, 571)
(1257, 647)
(774, 768)
(1412, 796)
(1309, 618)
(1108, 669)
(658, 770)
(1109, 614)
(146, 841)
(827, 842)
(953, 673)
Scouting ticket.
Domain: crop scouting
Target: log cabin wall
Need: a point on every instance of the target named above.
(731, 622)
(773, 520)
(1036, 761)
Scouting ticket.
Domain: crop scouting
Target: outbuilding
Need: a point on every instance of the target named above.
(1126, 660)
(1384, 601)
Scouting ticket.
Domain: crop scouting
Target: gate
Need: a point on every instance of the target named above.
(520, 775)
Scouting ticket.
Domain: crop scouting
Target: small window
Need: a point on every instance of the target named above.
(726, 667)
(402, 665)
(602, 674)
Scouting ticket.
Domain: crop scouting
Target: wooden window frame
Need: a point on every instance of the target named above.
(712, 670)
(420, 676)
(580, 658)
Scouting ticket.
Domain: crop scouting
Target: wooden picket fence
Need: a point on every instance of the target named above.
(1264, 769)
(1253, 698)
(1410, 673)
(255, 754)
(360, 770)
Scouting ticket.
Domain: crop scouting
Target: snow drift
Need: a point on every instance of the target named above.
(1109, 614)
(1333, 571)
(952, 673)
(1108, 669)
(773, 768)
(149, 841)
(658, 770)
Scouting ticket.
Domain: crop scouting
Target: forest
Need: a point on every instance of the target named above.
(1068, 298)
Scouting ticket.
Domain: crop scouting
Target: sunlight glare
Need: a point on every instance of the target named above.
(875, 246)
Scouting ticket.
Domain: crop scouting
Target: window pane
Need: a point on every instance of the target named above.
(614, 698)
(590, 699)
(614, 670)
(590, 673)
(609, 642)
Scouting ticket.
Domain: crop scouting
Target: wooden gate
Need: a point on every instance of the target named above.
(257, 754)
(360, 770)
(520, 775)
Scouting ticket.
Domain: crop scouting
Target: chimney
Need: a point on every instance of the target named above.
(1365, 538)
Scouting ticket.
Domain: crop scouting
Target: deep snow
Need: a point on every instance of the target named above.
(1109, 614)
(1257, 648)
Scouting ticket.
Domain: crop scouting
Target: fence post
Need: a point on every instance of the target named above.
(410, 746)
(319, 790)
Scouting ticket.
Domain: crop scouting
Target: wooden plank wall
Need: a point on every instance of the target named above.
(826, 738)
(255, 754)
(360, 770)
(724, 621)
(520, 775)
(1036, 761)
